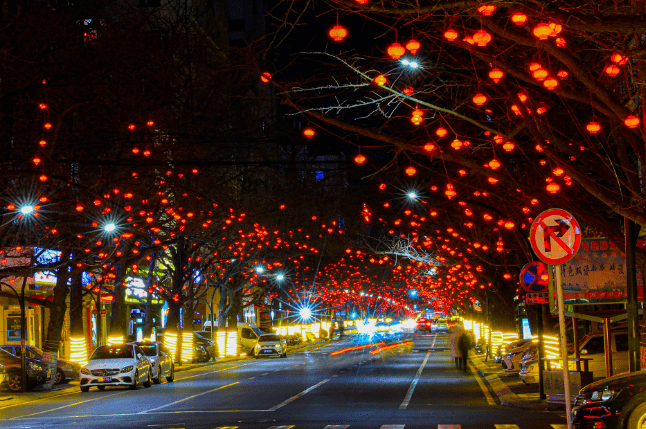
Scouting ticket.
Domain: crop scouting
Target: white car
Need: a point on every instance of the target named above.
(270, 345)
(160, 360)
(116, 365)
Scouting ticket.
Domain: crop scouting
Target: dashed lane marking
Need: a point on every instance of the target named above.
(506, 426)
(293, 398)
(189, 397)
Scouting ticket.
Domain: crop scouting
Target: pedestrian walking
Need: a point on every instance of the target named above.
(455, 350)
(465, 343)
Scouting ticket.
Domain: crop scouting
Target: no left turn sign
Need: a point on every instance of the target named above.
(555, 236)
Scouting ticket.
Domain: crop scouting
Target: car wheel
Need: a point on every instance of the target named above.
(255, 355)
(87, 388)
(157, 379)
(171, 376)
(15, 382)
(637, 419)
(102, 388)
(284, 355)
(149, 381)
(135, 383)
(60, 376)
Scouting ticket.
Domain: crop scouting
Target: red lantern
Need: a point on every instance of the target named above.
(456, 144)
(482, 38)
(519, 18)
(553, 188)
(543, 31)
(632, 121)
(619, 59)
(451, 34)
(411, 171)
(359, 159)
(593, 127)
(496, 75)
(560, 42)
(441, 132)
(487, 9)
(494, 164)
(540, 74)
(338, 33)
(396, 51)
(380, 80)
(429, 147)
(308, 132)
(408, 90)
(450, 192)
(265, 77)
(550, 83)
(508, 146)
(612, 70)
(479, 99)
(413, 46)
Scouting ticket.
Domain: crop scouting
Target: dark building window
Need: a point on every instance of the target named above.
(236, 25)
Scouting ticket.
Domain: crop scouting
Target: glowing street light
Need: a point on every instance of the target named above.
(26, 209)
(280, 277)
(260, 270)
(109, 227)
(305, 313)
(411, 64)
(412, 195)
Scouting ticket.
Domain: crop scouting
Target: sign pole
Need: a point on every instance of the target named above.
(564, 354)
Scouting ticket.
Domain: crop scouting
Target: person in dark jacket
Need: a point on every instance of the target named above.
(465, 343)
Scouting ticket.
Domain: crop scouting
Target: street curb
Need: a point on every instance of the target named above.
(504, 393)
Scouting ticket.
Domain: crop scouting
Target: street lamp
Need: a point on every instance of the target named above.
(411, 64)
(260, 270)
(27, 209)
(280, 277)
(109, 227)
(412, 195)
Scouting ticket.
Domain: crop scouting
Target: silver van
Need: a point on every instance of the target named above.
(592, 347)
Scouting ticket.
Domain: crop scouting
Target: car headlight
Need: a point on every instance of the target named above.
(35, 366)
(127, 369)
(85, 371)
(603, 396)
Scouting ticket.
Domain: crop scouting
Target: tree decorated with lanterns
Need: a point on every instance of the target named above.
(498, 109)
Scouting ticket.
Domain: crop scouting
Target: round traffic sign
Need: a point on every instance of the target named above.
(534, 277)
(555, 236)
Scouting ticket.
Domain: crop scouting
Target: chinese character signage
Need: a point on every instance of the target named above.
(597, 274)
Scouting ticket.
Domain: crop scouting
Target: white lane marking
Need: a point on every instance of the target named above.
(392, 426)
(449, 426)
(293, 398)
(212, 372)
(68, 405)
(281, 427)
(41, 399)
(251, 378)
(187, 398)
(558, 426)
(265, 373)
(413, 384)
(336, 426)
(506, 426)
(487, 395)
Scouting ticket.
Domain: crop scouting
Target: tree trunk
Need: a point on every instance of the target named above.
(118, 322)
(56, 320)
(76, 307)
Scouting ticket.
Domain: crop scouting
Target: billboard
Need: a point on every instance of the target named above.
(597, 274)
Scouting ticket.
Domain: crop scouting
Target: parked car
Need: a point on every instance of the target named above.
(116, 365)
(208, 346)
(160, 360)
(592, 347)
(36, 372)
(65, 370)
(248, 335)
(615, 402)
(270, 345)
(511, 361)
(4, 377)
(529, 365)
(503, 349)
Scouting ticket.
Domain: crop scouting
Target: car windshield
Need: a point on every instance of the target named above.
(149, 349)
(268, 337)
(112, 352)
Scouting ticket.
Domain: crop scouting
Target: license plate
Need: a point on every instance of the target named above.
(104, 379)
(266, 351)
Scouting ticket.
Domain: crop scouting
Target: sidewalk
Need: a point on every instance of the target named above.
(12, 399)
(509, 389)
